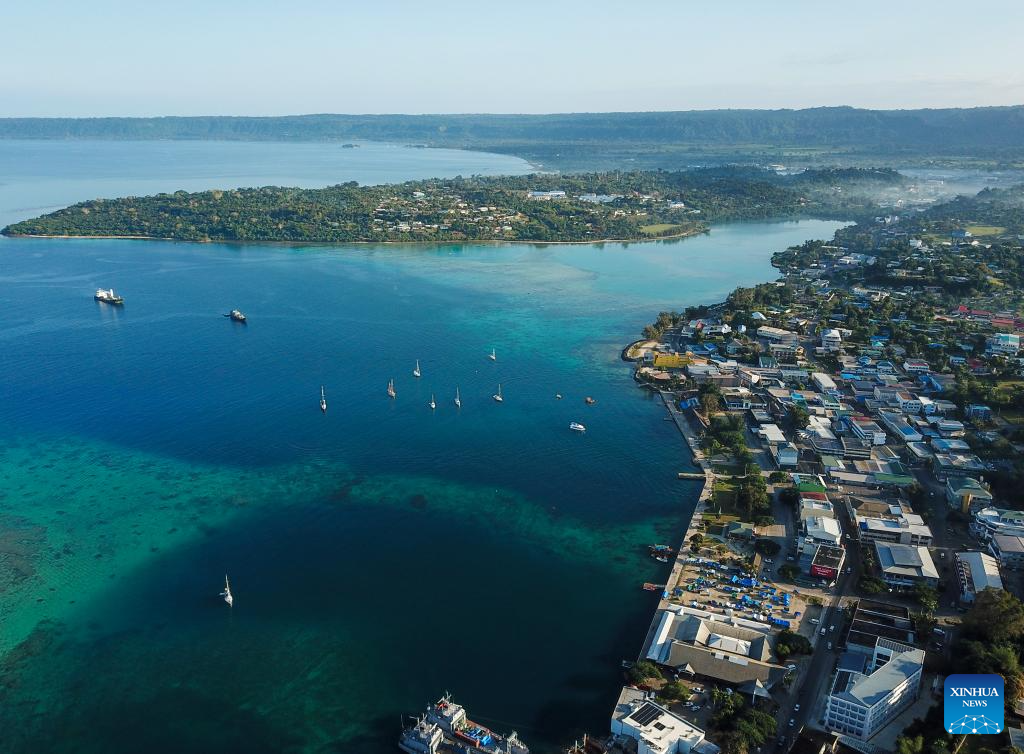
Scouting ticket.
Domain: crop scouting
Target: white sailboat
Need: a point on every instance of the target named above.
(493, 356)
(323, 400)
(433, 403)
(458, 400)
(391, 388)
(497, 395)
(226, 594)
(416, 372)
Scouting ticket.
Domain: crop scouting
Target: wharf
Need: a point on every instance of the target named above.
(694, 526)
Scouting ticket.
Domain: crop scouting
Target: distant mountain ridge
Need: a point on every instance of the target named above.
(974, 128)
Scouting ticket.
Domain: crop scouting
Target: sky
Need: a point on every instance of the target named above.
(261, 57)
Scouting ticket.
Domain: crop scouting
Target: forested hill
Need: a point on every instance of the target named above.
(546, 207)
(977, 131)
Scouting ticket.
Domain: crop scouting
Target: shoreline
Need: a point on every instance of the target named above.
(452, 242)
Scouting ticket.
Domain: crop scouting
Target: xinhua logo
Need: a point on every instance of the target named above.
(973, 704)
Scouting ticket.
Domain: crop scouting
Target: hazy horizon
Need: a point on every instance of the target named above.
(111, 59)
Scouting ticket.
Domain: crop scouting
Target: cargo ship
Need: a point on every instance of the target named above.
(452, 719)
(108, 297)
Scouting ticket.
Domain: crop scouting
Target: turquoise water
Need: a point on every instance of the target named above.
(379, 554)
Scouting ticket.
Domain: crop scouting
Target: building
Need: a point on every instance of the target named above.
(978, 411)
(952, 465)
(988, 522)
(823, 382)
(873, 620)
(654, 728)
(977, 571)
(831, 339)
(733, 653)
(908, 403)
(966, 494)
(1008, 549)
(861, 704)
(891, 522)
(777, 335)
(916, 366)
(905, 566)
(817, 531)
(867, 430)
(546, 196)
(786, 455)
(771, 433)
(815, 505)
(827, 562)
(899, 426)
(1004, 344)
(785, 352)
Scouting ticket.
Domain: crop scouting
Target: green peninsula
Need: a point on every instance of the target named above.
(540, 208)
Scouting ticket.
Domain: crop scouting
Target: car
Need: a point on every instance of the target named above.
(796, 708)
(815, 621)
(790, 557)
(830, 645)
(792, 722)
(791, 666)
(832, 628)
(822, 630)
(768, 560)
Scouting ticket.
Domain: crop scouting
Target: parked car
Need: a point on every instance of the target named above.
(796, 708)
(792, 722)
(830, 645)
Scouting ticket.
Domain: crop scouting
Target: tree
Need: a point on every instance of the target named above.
(674, 691)
(911, 745)
(927, 598)
(696, 541)
(789, 571)
(788, 643)
(644, 670)
(778, 477)
(799, 416)
(997, 616)
(767, 547)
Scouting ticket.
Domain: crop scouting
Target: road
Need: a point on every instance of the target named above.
(811, 684)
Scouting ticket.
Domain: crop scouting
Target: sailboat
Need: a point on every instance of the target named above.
(497, 395)
(391, 388)
(458, 400)
(493, 356)
(416, 372)
(226, 594)
(433, 403)
(323, 400)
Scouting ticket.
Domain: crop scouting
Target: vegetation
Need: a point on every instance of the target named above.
(644, 670)
(631, 205)
(767, 547)
(581, 140)
(743, 729)
(788, 643)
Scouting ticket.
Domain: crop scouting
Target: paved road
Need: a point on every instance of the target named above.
(811, 685)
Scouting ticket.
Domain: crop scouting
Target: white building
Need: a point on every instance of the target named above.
(654, 728)
(831, 339)
(867, 430)
(977, 571)
(861, 704)
(819, 531)
(785, 454)
(823, 382)
(908, 403)
(897, 525)
(777, 335)
(988, 522)
(1004, 343)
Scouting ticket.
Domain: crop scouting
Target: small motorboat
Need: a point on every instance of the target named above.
(558, 396)
(323, 400)
(577, 427)
(433, 403)
(391, 388)
(497, 396)
(458, 400)
(416, 372)
(493, 356)
(589, 401)
(235, 315)
(226, 594)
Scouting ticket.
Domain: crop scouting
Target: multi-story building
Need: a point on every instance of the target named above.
(1008, 549)
(977, 572)
(817, 531)
(966, 494)
(831, 339)
(1004, 344)
(867, 430)
(861, 704)
(904, 566)
(989, 522)
(777, 335)
(894, 523)
(655, 729)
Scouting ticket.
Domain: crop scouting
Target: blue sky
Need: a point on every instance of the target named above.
(264, 58)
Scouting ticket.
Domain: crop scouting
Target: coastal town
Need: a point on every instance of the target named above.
(858, 425)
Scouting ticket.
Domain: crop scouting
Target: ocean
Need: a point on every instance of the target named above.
(379, 554)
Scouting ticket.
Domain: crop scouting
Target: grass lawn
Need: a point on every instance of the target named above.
(658, 228)
(985, 230)
(723, 498)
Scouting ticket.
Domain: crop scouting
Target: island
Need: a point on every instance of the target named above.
(553, 208)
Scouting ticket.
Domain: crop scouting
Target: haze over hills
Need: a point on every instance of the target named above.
(994, 135)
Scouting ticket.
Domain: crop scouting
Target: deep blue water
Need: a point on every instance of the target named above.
(381, 553)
